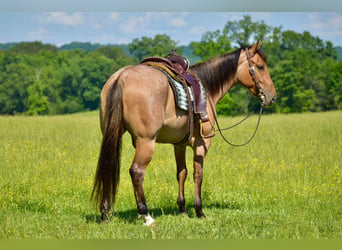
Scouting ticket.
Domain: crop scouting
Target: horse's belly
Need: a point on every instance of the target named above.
(174, 130)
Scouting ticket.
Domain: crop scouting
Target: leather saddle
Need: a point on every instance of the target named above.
(177, 67)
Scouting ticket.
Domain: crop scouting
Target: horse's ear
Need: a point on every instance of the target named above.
(259, 43)
(253, 50)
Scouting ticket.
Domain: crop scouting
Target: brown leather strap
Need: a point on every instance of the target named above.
(252, 73)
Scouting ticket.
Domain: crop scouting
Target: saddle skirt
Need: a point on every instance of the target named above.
(181, 96)
(187, 88)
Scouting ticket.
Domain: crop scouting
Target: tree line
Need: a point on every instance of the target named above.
(37, 78)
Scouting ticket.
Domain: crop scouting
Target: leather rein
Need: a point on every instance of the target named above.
(258, 91)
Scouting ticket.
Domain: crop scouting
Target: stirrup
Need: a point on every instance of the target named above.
(212, 128)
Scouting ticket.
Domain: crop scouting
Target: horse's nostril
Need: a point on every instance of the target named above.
(273, 99)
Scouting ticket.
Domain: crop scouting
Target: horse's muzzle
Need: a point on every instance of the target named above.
(266, 100)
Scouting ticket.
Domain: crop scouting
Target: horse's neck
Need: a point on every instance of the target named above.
(217, 94)
(216, 97)
(219, 75)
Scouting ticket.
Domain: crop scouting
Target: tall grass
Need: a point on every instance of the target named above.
(286, 184)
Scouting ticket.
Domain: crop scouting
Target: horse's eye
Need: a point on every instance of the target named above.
(261, 67)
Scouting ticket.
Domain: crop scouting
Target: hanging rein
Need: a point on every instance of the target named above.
(260, 95)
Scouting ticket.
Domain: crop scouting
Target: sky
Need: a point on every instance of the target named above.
(60, 28)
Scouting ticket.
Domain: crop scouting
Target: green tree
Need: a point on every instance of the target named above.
(226, 105)
(96, 68)
(331, 95)
(212, 44)
(160, 45)
(32, 47)
(243, 31)
(118, 57)
(85, 46)
(15, 78)
(301, 69)
(38, 104)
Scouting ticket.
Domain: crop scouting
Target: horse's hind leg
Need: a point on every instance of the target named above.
(182, 173)
(200, 151)
(143, 155)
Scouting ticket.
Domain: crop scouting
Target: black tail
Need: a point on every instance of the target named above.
(108, 169)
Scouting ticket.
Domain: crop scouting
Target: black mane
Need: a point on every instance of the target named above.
(214, 72)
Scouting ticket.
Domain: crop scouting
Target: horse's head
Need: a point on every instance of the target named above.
(252, 72)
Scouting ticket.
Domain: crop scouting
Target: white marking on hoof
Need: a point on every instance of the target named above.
(148, 220)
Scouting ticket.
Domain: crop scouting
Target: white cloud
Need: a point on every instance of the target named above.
(63, 18)
(114, 16)
(315, 21)
(38, 34)
(197, 30)
(133, 24)
(96, 26)
(326, 27)
(151, 22)
(177, 22)
(336, 21)
(260, 15)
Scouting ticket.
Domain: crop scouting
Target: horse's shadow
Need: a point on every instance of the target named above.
(130, 216)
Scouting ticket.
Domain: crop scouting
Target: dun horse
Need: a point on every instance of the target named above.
(139, 99)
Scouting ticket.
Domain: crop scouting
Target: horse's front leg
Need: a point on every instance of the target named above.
(199, 153)
(182, 173)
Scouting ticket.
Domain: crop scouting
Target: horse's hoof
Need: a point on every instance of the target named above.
(104, 217)
(148, 220)
(183, 211)
(200, 214)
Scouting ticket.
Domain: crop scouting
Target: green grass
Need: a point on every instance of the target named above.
(286, 184)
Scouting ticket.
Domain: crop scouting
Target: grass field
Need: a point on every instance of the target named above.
(286, 184)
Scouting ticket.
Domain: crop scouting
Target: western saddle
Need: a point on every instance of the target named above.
(177, 67)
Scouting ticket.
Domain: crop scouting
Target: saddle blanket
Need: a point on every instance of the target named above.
(180, 93)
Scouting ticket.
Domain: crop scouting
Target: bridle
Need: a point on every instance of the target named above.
(255, 79)
(259, 94)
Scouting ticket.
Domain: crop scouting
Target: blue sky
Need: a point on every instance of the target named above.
(122, 27)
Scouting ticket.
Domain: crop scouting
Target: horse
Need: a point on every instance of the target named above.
(138, 99)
